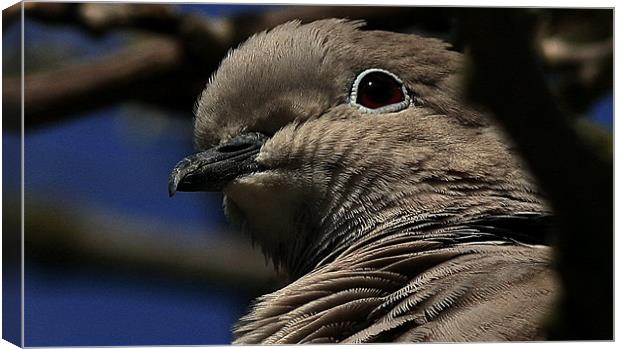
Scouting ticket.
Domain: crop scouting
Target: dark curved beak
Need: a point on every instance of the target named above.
(212, 169)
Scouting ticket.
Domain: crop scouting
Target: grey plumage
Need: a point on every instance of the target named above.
(413, 224)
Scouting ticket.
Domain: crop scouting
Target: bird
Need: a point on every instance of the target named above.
(399, 211)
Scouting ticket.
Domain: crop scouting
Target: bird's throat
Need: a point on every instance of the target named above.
(268, 212)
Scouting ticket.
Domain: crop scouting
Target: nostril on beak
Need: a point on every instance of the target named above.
(244, 143)
(233, 148)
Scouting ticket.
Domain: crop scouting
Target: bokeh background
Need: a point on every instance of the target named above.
(110, 259)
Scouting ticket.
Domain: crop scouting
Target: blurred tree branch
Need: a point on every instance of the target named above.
(560, 52)
(586, 69)
(51, 95)
(59, 235)
(504, 74)
(190, 46)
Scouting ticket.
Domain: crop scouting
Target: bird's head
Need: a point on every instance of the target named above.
(321, 132)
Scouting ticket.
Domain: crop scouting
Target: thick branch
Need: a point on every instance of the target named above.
(51, 95)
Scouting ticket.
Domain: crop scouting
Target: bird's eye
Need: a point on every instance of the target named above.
(379, 91)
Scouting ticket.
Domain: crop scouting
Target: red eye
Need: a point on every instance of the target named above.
(377, 88)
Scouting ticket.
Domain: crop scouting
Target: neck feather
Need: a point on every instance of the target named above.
(456, 220)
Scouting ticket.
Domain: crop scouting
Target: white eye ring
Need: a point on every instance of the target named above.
(390, 108)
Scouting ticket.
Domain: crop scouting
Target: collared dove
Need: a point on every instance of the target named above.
(400, 213)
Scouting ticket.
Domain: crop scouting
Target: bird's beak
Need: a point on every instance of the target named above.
(212, 169)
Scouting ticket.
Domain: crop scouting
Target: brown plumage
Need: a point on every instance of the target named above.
(408, 220)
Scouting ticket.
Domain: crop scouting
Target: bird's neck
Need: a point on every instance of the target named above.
(340, 232)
